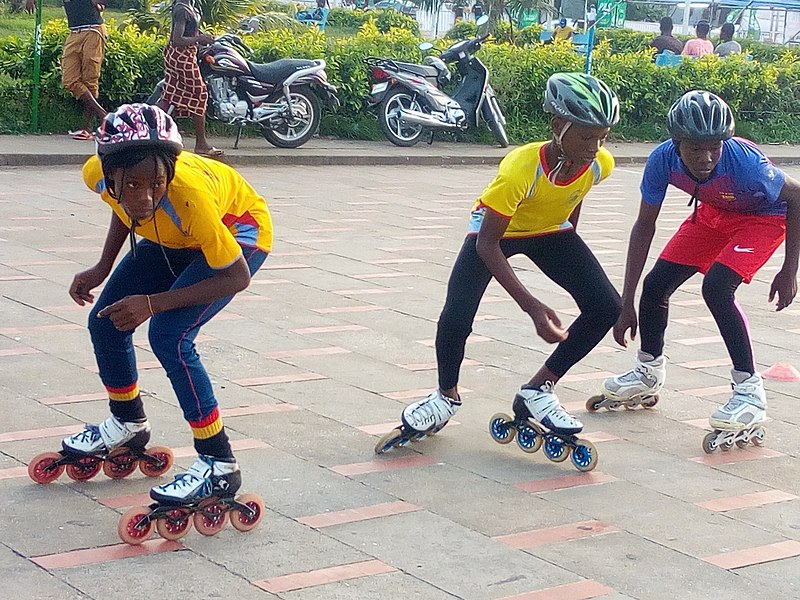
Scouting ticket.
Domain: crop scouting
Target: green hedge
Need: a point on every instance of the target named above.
(765, 96)
(384, 19)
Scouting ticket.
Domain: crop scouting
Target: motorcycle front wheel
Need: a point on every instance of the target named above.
(285, 132)
(389, 118)
(494, 122)
(155, 96)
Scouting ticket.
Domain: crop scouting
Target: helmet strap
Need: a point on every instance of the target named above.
(562, 158)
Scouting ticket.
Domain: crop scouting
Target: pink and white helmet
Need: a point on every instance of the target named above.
(137, 125)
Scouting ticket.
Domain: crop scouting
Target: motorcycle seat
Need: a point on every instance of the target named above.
(423, 70)
(276, 72)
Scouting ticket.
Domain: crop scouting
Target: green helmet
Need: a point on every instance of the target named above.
(582, 99)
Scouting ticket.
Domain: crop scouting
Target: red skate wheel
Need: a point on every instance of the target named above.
(41, 469)
(120, 463)
(84, 468)
(210, 517)
(175, 524)
(243, 522)
(129, 529)
(162, 464)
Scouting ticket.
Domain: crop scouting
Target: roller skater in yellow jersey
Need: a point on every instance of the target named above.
(532, 208)
(206, 231)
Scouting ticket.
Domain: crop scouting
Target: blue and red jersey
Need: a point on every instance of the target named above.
(744, 181)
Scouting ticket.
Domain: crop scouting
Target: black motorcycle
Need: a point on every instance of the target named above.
(281, 98)
(410, 97)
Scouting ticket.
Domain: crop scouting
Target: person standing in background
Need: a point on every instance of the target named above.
(82, 59)
(591, 16)
(185, 91)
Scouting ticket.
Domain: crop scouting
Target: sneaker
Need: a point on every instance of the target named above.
(82, 134)
(108, 435)
(207, 477)
(747, 406)
(432, 412)
(543, 406)
(647, 378)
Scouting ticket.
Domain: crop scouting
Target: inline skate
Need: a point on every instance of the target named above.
(740, 421)
(419, 420)
(638, 387)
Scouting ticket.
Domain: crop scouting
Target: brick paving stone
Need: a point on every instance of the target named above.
(309, 368)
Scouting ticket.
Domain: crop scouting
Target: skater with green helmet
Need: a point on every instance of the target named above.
(532, 208)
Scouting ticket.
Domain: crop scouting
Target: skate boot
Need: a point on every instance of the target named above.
(115, 446)
(419, 420)
(740, 420)
(638, 387)
(540, 420)
(203, 495)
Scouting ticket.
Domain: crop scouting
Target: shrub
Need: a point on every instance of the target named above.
(16, 105)
(462, 30)
(384, 19)
(528, 36)
(346, 18)
(765, 96)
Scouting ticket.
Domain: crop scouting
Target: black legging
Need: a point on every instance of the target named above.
(566, 260)
(719, 288)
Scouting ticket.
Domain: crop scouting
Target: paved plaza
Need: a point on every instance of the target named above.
(316, 360)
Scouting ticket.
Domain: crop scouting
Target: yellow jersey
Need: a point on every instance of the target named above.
(522, 192)
(208, 206)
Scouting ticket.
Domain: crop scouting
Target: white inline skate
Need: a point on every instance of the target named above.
(638, 387)
(419, 420)
(116, 446)
(203, 495)
(540, 420)
(740, 420)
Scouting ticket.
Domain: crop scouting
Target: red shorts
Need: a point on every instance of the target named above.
(742, 243)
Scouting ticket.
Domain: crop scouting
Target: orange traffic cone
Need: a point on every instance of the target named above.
(781, 372)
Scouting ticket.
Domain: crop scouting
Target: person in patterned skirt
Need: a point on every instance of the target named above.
(185, 93)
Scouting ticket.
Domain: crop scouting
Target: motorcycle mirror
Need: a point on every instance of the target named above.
(250, 25)
(482, 20)
(425, 46)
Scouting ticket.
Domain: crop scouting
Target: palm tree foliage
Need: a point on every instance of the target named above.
(497, 10)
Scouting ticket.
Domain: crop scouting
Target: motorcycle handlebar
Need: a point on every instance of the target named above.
(471, 46)
(234, 40)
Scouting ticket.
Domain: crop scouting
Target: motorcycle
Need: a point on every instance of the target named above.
(281, 98)
(410, 97)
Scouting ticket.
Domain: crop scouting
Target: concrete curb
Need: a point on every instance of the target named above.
(326, 159)
(307, 160)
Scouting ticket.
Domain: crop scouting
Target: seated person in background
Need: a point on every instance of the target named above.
(727, 45)
(701, 45)
(666, 41)
(563, 31)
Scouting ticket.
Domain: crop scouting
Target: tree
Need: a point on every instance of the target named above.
(516, 8)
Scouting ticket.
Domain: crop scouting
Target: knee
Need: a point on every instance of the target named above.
(654, 291)
(168, 343)
(606, 308)
(612, 308)
(715, 293)
(453, 324)
(163, 343)
(100, 329)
